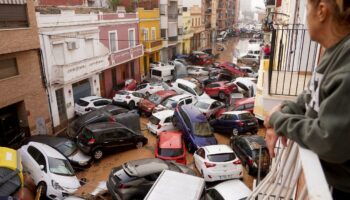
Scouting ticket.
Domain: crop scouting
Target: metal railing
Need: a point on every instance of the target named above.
(292, 60)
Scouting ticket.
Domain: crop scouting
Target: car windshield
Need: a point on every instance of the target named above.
(202, 129)
(245, 116)
(223, 157)
(154, 120)
(82, 103)
(169, 103)
(170, 152)
(202, 105)
(155, 98)
(122, 92)
(198, 90)
(60, 167)
(67, 148)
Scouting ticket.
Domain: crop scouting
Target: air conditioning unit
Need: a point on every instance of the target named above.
(72, 45)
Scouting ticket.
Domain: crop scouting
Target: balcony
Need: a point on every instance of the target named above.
(69, 73)
(295, 174)
(172, 40)
(151, 46)
(126, 55)
(172, 17)
(18, 17)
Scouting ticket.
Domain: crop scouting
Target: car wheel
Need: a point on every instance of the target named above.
(97, 154)
(131, 105)
(222, 95)
(234, 132)
(139, 145)
(41, 189)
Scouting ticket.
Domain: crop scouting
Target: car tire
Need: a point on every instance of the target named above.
(222, 95)
(139, 145)
(131, 105)
(42, 189)
(97, 154)
(235, 132)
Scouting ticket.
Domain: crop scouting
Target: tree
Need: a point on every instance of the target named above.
(113, 4)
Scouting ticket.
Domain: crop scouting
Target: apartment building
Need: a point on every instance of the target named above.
(23, 104)
(198, 40)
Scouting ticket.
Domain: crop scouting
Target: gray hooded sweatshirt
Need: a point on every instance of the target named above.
(319, 120)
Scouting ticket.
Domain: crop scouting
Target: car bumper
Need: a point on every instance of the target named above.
(222, 175)
(57, 194)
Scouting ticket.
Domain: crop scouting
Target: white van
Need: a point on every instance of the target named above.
(185, 86)
(164, 73)
(172, 185)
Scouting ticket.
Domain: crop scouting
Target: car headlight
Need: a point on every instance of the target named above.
(82, 163)
(56, 186)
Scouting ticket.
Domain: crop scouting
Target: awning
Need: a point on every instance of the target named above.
(13, 1)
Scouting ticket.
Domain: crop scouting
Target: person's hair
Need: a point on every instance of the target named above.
(341, 11)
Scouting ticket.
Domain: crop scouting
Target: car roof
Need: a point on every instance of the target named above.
(170, 139)
(207, 100)
(236, 112)
(48, 139)
(103, 126)
(180, 96)
(233, 189)
(91, 98)
(245, 100)
(193, 113)
(163, 68)
(254, 141)
(144, 167)
(163, 114)
(47, 150)
(217, 149)
(166, 93)
(185, 82)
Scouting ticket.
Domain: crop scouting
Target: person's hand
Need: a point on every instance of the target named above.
(271, 140)
(267, 118)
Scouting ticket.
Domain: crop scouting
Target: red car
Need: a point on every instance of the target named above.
(232, 68)
(170, 146)
(200, 58)
(130, 85)
(246, 104)
(220, 89)
(147, 105)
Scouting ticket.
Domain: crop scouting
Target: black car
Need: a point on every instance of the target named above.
(247, 148)
(65, 146)
(104, 114)
(98, 138)
(133, 179)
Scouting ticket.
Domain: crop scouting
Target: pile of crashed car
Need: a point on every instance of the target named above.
(184, 103)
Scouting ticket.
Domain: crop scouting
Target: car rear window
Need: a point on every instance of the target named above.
(156, 73)
(245, 116)
(170, 152)
(82, 103)
(154, 98)
(154, 120)
(202, 129)
(122, 92)
(223, 157)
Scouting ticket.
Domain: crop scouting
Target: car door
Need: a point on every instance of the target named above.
(34, 161)
(211, 89)
(199, 157)
(125, 138)
(109, 140)
(141, 88)
(168, 124)
(213, 108)
(228, 123)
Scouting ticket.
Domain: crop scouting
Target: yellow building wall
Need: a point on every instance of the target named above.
(148, 19)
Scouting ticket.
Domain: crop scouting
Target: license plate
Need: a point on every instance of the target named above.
(251, 123)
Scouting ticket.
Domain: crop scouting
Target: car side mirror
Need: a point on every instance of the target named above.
(42, 167)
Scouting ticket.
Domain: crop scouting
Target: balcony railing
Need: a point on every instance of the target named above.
(293, 59)
(296, 174)
(126, 55)
(172, 17)
(71, 72)
(149, 45)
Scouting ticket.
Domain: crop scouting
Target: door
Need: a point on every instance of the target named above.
(81, 89)
(33, 162)
(125, 138)
(168, 123)
(227, 122)
(61, 106)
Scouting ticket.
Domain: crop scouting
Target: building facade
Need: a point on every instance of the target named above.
(187, 30)
(149, 34)
(210, 10)
(198, 40)
(73, 57)
(119, 33)
(23, 103)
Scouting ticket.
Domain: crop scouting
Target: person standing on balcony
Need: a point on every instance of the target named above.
(319, 120)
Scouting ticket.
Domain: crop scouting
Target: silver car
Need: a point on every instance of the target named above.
(250, 59)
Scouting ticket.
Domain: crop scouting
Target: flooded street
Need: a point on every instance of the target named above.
(98, 173)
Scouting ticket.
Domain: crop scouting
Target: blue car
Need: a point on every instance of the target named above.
(235, 122)
(195, 127)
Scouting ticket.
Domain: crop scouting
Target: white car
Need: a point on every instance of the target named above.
(87, 104)
(217, 162)
(150, 88)
(246, 84)
(172, 102)
(128, 98)
(197, 71)
(209, 106)
(49, 169)
(184, 86)
(157, 64)
(228, 190)
(161, 121)
(250, 72)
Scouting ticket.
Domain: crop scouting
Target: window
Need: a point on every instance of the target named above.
(214, 194)
(13, 16)
(8, 68)
(163, 33)
(153, 34)
(157, 73)
(113, 41)
(131, 34)
(58, 53)
(168, 120)
(124, 133)
(89, 43)
(188, 101)
(145, 34)
(249, 105)
(101, 103)
(37, 156)
(201, 152)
